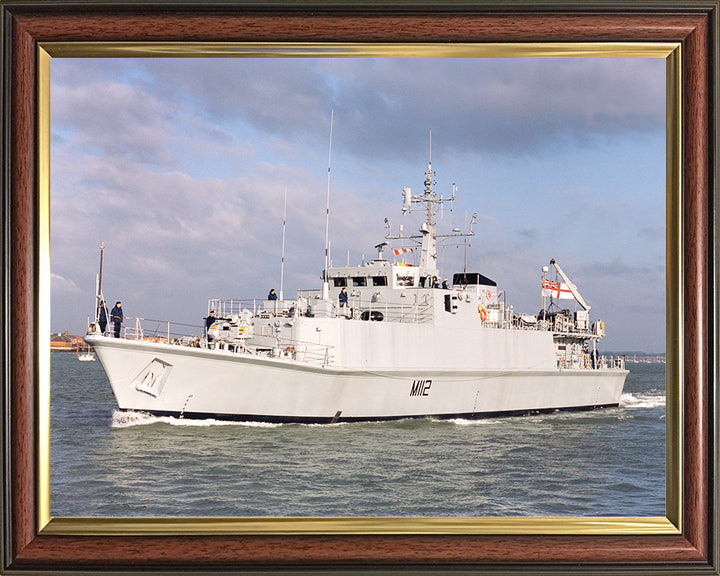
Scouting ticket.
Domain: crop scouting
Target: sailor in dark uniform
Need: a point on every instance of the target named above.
(209, 321)
(116, 317)
(102, 317)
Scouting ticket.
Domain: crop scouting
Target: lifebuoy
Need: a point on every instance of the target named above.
(483, 314)
(290, 350)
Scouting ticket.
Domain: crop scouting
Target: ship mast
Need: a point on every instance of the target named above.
(428, 229)
(99, 296)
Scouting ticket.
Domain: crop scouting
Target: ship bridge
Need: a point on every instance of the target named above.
(379, 274)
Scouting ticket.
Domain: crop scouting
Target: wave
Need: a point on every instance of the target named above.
(628, 400)
(467, 422)
(129, 418)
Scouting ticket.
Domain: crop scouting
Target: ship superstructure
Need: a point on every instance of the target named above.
(383, 340)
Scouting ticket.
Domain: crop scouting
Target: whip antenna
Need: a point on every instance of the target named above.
(326, 288)
(282, 257)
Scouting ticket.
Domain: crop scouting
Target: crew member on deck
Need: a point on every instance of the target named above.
(209, 321)
(445, 284)
(116, 317)
(343, 298)
(102, 317)
(272, 295)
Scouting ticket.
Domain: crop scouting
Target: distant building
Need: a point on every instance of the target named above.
(64, 342)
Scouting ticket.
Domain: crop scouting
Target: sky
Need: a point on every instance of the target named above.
(181, 166)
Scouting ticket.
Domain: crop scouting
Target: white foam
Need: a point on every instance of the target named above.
(628, 400)
(126, 419)
(466, 422)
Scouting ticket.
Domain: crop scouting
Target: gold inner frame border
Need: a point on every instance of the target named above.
(670, 524)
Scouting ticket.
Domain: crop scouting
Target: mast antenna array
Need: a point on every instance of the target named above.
(431, 203)
(429, 239)
(429, 197)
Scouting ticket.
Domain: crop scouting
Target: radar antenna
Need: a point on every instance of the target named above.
(430, 203)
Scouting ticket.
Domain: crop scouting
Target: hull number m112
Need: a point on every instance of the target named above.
(420, 388)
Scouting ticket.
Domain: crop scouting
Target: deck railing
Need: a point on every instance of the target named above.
(160, 330)
(585, 362)
(176, 333)
(356, 308)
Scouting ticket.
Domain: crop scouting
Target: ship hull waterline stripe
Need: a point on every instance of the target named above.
(338, 420)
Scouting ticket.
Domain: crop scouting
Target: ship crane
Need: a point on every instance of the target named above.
(573, 289)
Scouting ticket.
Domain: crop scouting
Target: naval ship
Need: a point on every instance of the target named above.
(380, 341)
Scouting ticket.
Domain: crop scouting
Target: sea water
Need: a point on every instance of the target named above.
(105, 462)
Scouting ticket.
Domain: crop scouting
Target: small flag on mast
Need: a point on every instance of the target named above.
(398, 251)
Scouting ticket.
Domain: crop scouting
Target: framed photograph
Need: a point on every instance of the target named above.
(178, 41)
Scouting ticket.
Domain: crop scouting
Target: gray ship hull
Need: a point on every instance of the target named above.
(167, 379)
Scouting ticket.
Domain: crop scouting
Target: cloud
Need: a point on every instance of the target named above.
(113, 118)
(246, 89)
(488, 105)
(62, 285)
(653, 233)
(497, 106)
(180, 167)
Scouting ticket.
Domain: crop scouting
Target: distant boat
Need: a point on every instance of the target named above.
(86, 355)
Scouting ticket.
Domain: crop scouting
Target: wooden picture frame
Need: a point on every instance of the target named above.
(687, 542)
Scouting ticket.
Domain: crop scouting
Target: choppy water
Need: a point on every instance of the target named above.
(110, 463)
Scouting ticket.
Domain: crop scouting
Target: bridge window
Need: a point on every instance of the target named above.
(359, 281)
(379, 280)
(339, 282)
(405, 280)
